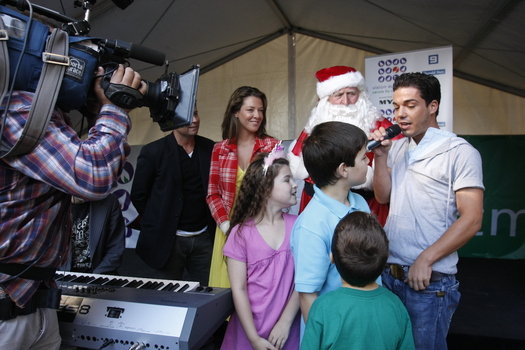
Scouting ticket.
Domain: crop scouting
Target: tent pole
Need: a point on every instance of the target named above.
(291, 85)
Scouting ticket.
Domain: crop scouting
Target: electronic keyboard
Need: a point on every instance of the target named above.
(138, 313)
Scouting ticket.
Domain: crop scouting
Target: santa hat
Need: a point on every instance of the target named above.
(336, 78)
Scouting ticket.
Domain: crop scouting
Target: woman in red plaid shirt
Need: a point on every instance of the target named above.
(244, 136)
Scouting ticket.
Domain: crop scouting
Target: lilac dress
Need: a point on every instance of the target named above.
(269, 283)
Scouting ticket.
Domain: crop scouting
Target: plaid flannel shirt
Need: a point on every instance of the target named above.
(223, 175)
(35, 188)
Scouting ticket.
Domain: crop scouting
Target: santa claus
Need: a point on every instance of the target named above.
(343, 97)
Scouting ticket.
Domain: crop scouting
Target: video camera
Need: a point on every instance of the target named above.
(170, 99)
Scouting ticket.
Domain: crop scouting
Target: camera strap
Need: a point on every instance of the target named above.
(4, 61)
(56, 60)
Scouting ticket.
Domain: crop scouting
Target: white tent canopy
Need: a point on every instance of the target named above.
(478, 110)
(278, 45)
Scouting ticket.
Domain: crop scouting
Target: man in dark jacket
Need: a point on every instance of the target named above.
(99, 236)
(169, 192)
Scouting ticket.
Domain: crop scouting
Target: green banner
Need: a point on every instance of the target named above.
(503, 230)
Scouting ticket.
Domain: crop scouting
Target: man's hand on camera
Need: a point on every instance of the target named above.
(123, 76)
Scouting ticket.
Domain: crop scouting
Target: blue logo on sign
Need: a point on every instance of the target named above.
(387, 112)
(390, 69)
(433, 59)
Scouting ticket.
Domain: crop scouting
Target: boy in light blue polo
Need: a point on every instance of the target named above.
(335, 157)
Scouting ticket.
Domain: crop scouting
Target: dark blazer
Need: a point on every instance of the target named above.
(156, 193)
(107, 236)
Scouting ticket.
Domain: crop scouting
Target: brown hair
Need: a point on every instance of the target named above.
(255, 190)
(359, 248)
(230, 124)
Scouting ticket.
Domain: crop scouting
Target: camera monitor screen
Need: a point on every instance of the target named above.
(188, 83)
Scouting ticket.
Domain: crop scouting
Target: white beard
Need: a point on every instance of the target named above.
(363, 114)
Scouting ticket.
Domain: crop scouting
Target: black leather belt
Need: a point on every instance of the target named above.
(398, 271)
(28, 272)
(43, 298)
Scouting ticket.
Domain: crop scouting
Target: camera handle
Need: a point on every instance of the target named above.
(121, 95)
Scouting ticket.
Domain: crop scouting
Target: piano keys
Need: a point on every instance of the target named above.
(91, 279)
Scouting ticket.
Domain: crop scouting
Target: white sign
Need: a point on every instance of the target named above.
(382, 70)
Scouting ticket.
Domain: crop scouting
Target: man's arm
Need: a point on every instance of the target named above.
(113, 238)
(382, 178)
(84, 168)
(470, 207)
(145, 174)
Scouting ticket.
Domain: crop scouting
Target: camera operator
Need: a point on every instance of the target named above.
(35, 197)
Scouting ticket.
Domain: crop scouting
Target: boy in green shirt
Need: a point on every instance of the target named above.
(361, 314)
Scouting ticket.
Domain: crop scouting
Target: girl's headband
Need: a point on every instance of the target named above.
(276, 153)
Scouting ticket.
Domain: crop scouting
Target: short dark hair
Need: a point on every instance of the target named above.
(230, 124)
(328, 145)
(359, 248)
(427, 84)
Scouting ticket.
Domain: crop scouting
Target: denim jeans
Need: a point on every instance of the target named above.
(430, 310)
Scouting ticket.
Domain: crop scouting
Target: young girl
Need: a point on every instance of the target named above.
(259, 259)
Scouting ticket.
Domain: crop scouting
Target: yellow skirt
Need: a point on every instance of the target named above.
(218, 270)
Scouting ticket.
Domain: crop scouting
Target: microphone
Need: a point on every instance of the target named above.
(391, 132)
(129, 50)
(145, 54)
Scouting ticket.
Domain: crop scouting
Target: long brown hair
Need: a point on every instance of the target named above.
(230, 124)
(255, 190)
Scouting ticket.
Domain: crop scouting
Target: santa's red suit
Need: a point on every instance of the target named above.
(361, 114)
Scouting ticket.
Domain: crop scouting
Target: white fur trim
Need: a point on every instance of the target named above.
(225, 226)
(299, 172)
(331, 85)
